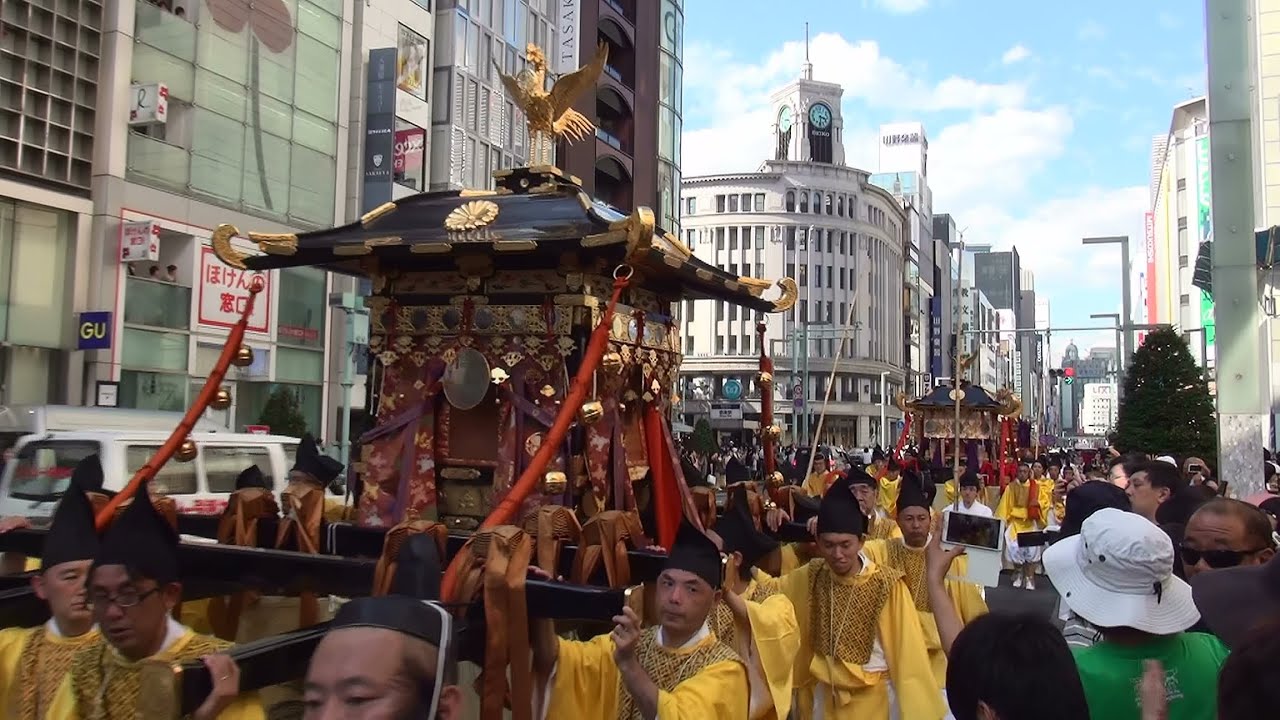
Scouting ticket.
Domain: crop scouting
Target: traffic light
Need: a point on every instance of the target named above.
(1068, 375)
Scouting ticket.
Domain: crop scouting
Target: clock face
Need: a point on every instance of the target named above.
(784, 119)
(820, 116)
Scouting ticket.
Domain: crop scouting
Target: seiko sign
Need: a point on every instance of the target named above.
(901, 139)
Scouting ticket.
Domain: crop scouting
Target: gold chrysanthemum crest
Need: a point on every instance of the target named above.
(471, 215)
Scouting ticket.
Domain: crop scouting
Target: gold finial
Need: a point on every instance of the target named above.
(549, 115)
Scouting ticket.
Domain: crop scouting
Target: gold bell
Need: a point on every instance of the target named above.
(764, 379)
(244, 357)
(611, 362)
(773, 432)
(591, 412)
(776, 479)
(554, 483)
(186, 452)
(221, 400)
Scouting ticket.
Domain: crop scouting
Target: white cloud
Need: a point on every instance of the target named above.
(983, 165)
(901, 7)
(1015, 54)
(735, 96)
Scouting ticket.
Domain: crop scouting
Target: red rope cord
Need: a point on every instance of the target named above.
(207, 393)
(506, 510)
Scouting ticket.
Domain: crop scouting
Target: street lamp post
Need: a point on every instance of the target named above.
(884, 396)
(1126, 331)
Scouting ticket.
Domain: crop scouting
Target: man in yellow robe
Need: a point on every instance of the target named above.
(824, 473)
(1025, 507)
(33, 661)
(133, 589)
(888, 483)
(906, 555)
(752, 617)
(677, 670)
(880, 523)
(952, 485)
(859, 631)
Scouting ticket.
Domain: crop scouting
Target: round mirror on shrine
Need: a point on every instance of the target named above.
(466, 379)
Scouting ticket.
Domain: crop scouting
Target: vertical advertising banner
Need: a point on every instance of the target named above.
(1204, 226)
(935, 336)
(567, 23)
(380, 128)
(1150, 225)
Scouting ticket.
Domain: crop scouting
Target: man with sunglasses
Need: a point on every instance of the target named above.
(1225, 533)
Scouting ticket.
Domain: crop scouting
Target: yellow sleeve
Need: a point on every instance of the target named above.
(585, 677)
(789, 559)
(12, 642)
(877, 551)
(967, 597)
(813, 486)
(63, 706)
(951, 491)
(776, 639)
(719, 691)
(246, 707)
(795, 587)
(909, 667)
(1005, 506)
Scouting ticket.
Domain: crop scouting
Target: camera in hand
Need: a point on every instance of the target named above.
(1038, 538)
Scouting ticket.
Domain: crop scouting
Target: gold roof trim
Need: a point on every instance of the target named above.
(639, 227)
(514, 245)
(376, 213)
(471, 215)
(352, 250)
(790, 293)
(431, 248)
(271, 243)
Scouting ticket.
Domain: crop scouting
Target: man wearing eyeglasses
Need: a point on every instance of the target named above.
(133, 588)
(1226, 533)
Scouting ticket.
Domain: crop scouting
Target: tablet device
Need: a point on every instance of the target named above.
(983, 540)
(972, 531)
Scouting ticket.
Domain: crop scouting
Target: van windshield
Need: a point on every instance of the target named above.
(43, 468)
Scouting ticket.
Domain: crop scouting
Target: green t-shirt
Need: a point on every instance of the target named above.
(1112, 676)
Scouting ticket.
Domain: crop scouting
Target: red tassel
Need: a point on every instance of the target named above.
(667, 506)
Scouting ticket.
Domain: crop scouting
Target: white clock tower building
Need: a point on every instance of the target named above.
(807, 124)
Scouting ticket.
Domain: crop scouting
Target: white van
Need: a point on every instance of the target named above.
(34, 480)
(18, 421)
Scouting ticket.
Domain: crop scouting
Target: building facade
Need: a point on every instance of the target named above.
(979, 324)
(1178, 223)
(475, 128)
(48, 129)
(807, 216)
(634, 159)
(903, 171)
(1099, 366)
(202, 113)
(1099, 409)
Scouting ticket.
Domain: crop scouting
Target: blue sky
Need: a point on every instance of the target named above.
(1040, 116)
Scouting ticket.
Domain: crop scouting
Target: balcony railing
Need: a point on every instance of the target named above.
(612, 140)
(156, 304)
(163, 30)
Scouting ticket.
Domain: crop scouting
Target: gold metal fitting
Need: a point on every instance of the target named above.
(554, 483)
(764, 379)
(187, 451)
(244, 357)
(591, 412)
(221, 399)
(611, 362)
(776, 479)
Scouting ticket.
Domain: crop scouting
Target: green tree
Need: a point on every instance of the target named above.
(1166, 408)
(703, 440)
(282, 414)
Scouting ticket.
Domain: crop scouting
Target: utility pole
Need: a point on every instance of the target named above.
(356, 333)
(1243, 391)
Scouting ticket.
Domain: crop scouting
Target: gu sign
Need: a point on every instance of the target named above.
(901, 139)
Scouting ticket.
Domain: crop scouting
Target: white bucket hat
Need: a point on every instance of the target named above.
(1118, 572)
